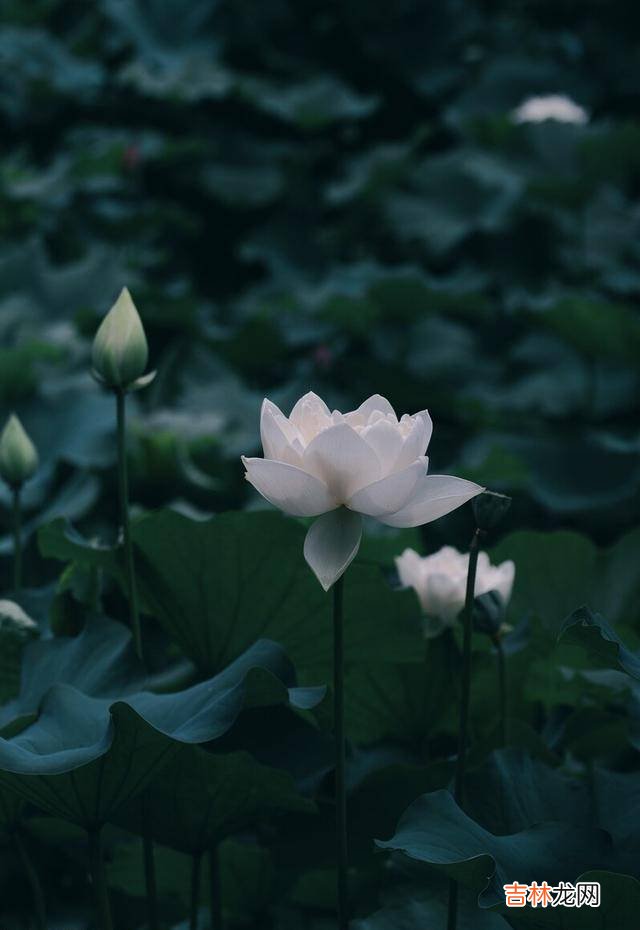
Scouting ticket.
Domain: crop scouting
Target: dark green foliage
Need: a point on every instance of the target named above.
(327, 196)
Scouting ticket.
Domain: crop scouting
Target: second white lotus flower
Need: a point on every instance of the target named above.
(440, 580)
(338, 466)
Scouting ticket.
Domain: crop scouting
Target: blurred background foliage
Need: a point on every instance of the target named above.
(337, 196)
(332, 196)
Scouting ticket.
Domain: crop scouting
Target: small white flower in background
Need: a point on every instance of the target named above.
(18, 455)
(440, 580)
(14, 620)
(556, 107)
(120, 351)
(337, 466)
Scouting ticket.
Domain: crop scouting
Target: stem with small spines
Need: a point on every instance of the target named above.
(99, 879)
(341, 797)
(123, 483)
(17, 539)
(463, 725)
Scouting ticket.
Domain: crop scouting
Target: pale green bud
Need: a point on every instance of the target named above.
(18, 455)
(120, 351)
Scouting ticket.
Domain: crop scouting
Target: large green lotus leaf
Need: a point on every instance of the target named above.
(16, 630)
(408, 701)
(511, 791)
(218, 585)
(428, 909)
(435, 831)
(377, 802)
(556, 572)
(199, 798)
(421, 908)
(284, 740)
(82, 758)
(85, 756)
(616, 806)
(100, 662)
(11, 807)
(73, 499)
(603, 645)
(60, 540)
(73, 421)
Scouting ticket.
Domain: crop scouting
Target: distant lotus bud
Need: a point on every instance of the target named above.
(120, 351)
(18, 455)
(489, 509)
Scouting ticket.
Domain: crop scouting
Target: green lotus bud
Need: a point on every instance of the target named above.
(18, 455)
(489, 509)
(120, 349)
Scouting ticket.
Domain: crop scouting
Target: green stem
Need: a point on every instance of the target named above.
(195, 891)
(17, 540)
(33, 879)
(341, 795)
(452, 914)
(123, 482)
(215, 890)
(99, 879)
(502, 686)
(149, 869)
(463, 724)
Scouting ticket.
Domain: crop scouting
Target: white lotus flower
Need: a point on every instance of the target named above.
(556, 107)
(13, 618)
(440, 580)
(337, 466)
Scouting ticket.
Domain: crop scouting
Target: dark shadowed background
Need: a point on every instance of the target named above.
(350, 197)
(334, 196)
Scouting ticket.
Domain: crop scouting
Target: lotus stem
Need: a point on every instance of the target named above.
(149, 870)
(502, 687)
(215, 890)
(341, 794)
(195, 891)
(463, 724)
(33, 879)
(123, 481)
(99, 879)
(17, 540)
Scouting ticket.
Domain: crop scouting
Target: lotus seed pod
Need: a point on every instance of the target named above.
(18, 455)
(490, 508)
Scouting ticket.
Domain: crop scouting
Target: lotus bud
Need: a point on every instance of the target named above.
(120, 350)
(489, 509)
(18, 455)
